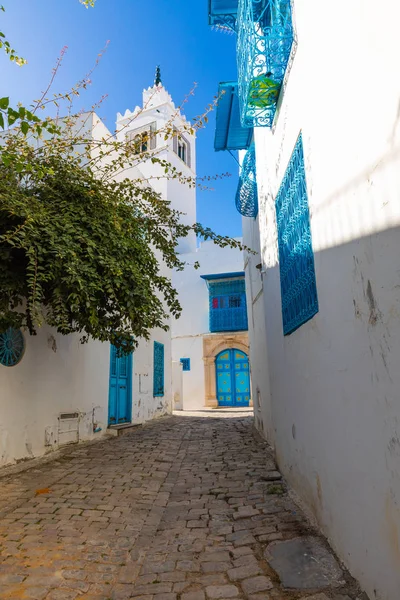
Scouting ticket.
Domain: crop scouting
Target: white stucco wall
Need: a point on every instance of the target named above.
(56, 374)
(258, 349)
(188, 330)
(335, 381)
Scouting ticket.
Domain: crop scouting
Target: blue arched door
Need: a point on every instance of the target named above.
(120, 388)
(233, 381)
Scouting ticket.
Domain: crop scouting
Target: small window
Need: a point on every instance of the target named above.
(181, 147)
(158, 370)
(182, 150)
(143, 138)
(185, 364)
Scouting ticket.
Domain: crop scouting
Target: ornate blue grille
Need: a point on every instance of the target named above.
(185, 364)
(222, 14)
(246, 194)
(265, 38)
(158, 373)
(12, 346)
(228, 309)
(296, 258)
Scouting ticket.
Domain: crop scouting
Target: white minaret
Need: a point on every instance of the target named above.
(146, 127)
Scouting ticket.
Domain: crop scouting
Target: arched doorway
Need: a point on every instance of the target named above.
(232, 378)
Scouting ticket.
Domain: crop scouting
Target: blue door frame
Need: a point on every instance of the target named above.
(120, 388)
(233, 380)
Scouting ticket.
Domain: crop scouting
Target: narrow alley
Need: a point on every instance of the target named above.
(188, 507)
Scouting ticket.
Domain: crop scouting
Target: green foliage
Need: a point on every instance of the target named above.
(82, 249)
(85, 247)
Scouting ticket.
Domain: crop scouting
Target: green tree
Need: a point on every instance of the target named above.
(81, 244)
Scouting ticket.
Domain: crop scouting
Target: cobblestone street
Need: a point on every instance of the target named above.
(188, 507)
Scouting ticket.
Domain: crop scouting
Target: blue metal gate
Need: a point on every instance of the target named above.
(233, 381)
(120, 388)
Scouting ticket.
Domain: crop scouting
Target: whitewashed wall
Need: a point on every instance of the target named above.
(57, 374)
(335, 382)
(259, 367)
(188, 330)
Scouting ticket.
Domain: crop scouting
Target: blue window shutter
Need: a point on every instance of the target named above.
(296, 257)
(158, 370)
(227, 302)
(185, 364)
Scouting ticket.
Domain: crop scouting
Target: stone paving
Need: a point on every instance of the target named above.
(189, 507)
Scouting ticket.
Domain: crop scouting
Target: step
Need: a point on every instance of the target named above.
(122, 428)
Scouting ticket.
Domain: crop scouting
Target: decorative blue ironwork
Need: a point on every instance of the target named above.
(222, 14)
(185, 364)
(228, 309)
(246, 195)
(158, 370)
(296, 257)
(12, 347)
(264, 43)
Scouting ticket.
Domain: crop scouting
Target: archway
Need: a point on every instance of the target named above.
(232, 378)
(212, 346)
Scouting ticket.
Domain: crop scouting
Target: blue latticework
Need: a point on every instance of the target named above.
(222, 14)
(12, 346)
(185, 364)
(228, 309)
(246, 194)
(296, 257)
(158, 370)
(265, 38)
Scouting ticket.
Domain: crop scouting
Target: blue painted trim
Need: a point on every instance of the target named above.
(222, 275)
(229, 133)
(185, 364)
(158, 370)
(129, 386)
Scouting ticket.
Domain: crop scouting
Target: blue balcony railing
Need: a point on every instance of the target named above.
(264, 43)
(222, 14)
(246, 195)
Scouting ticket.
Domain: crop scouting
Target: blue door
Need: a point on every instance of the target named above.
(233, 381)
(120, 388)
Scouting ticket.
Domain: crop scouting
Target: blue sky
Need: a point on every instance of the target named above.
(172, 33)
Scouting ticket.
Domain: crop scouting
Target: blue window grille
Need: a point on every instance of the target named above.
(185, 364)
(246, 195)
(228, 309)
(264, 43)
(296, 257)
(222, 14)
(158, 373)
(12, 347)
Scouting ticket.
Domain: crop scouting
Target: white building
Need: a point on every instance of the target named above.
(210, 338)
(323, 292)
(60, 391)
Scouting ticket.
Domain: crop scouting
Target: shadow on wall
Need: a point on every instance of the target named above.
(335, 387)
